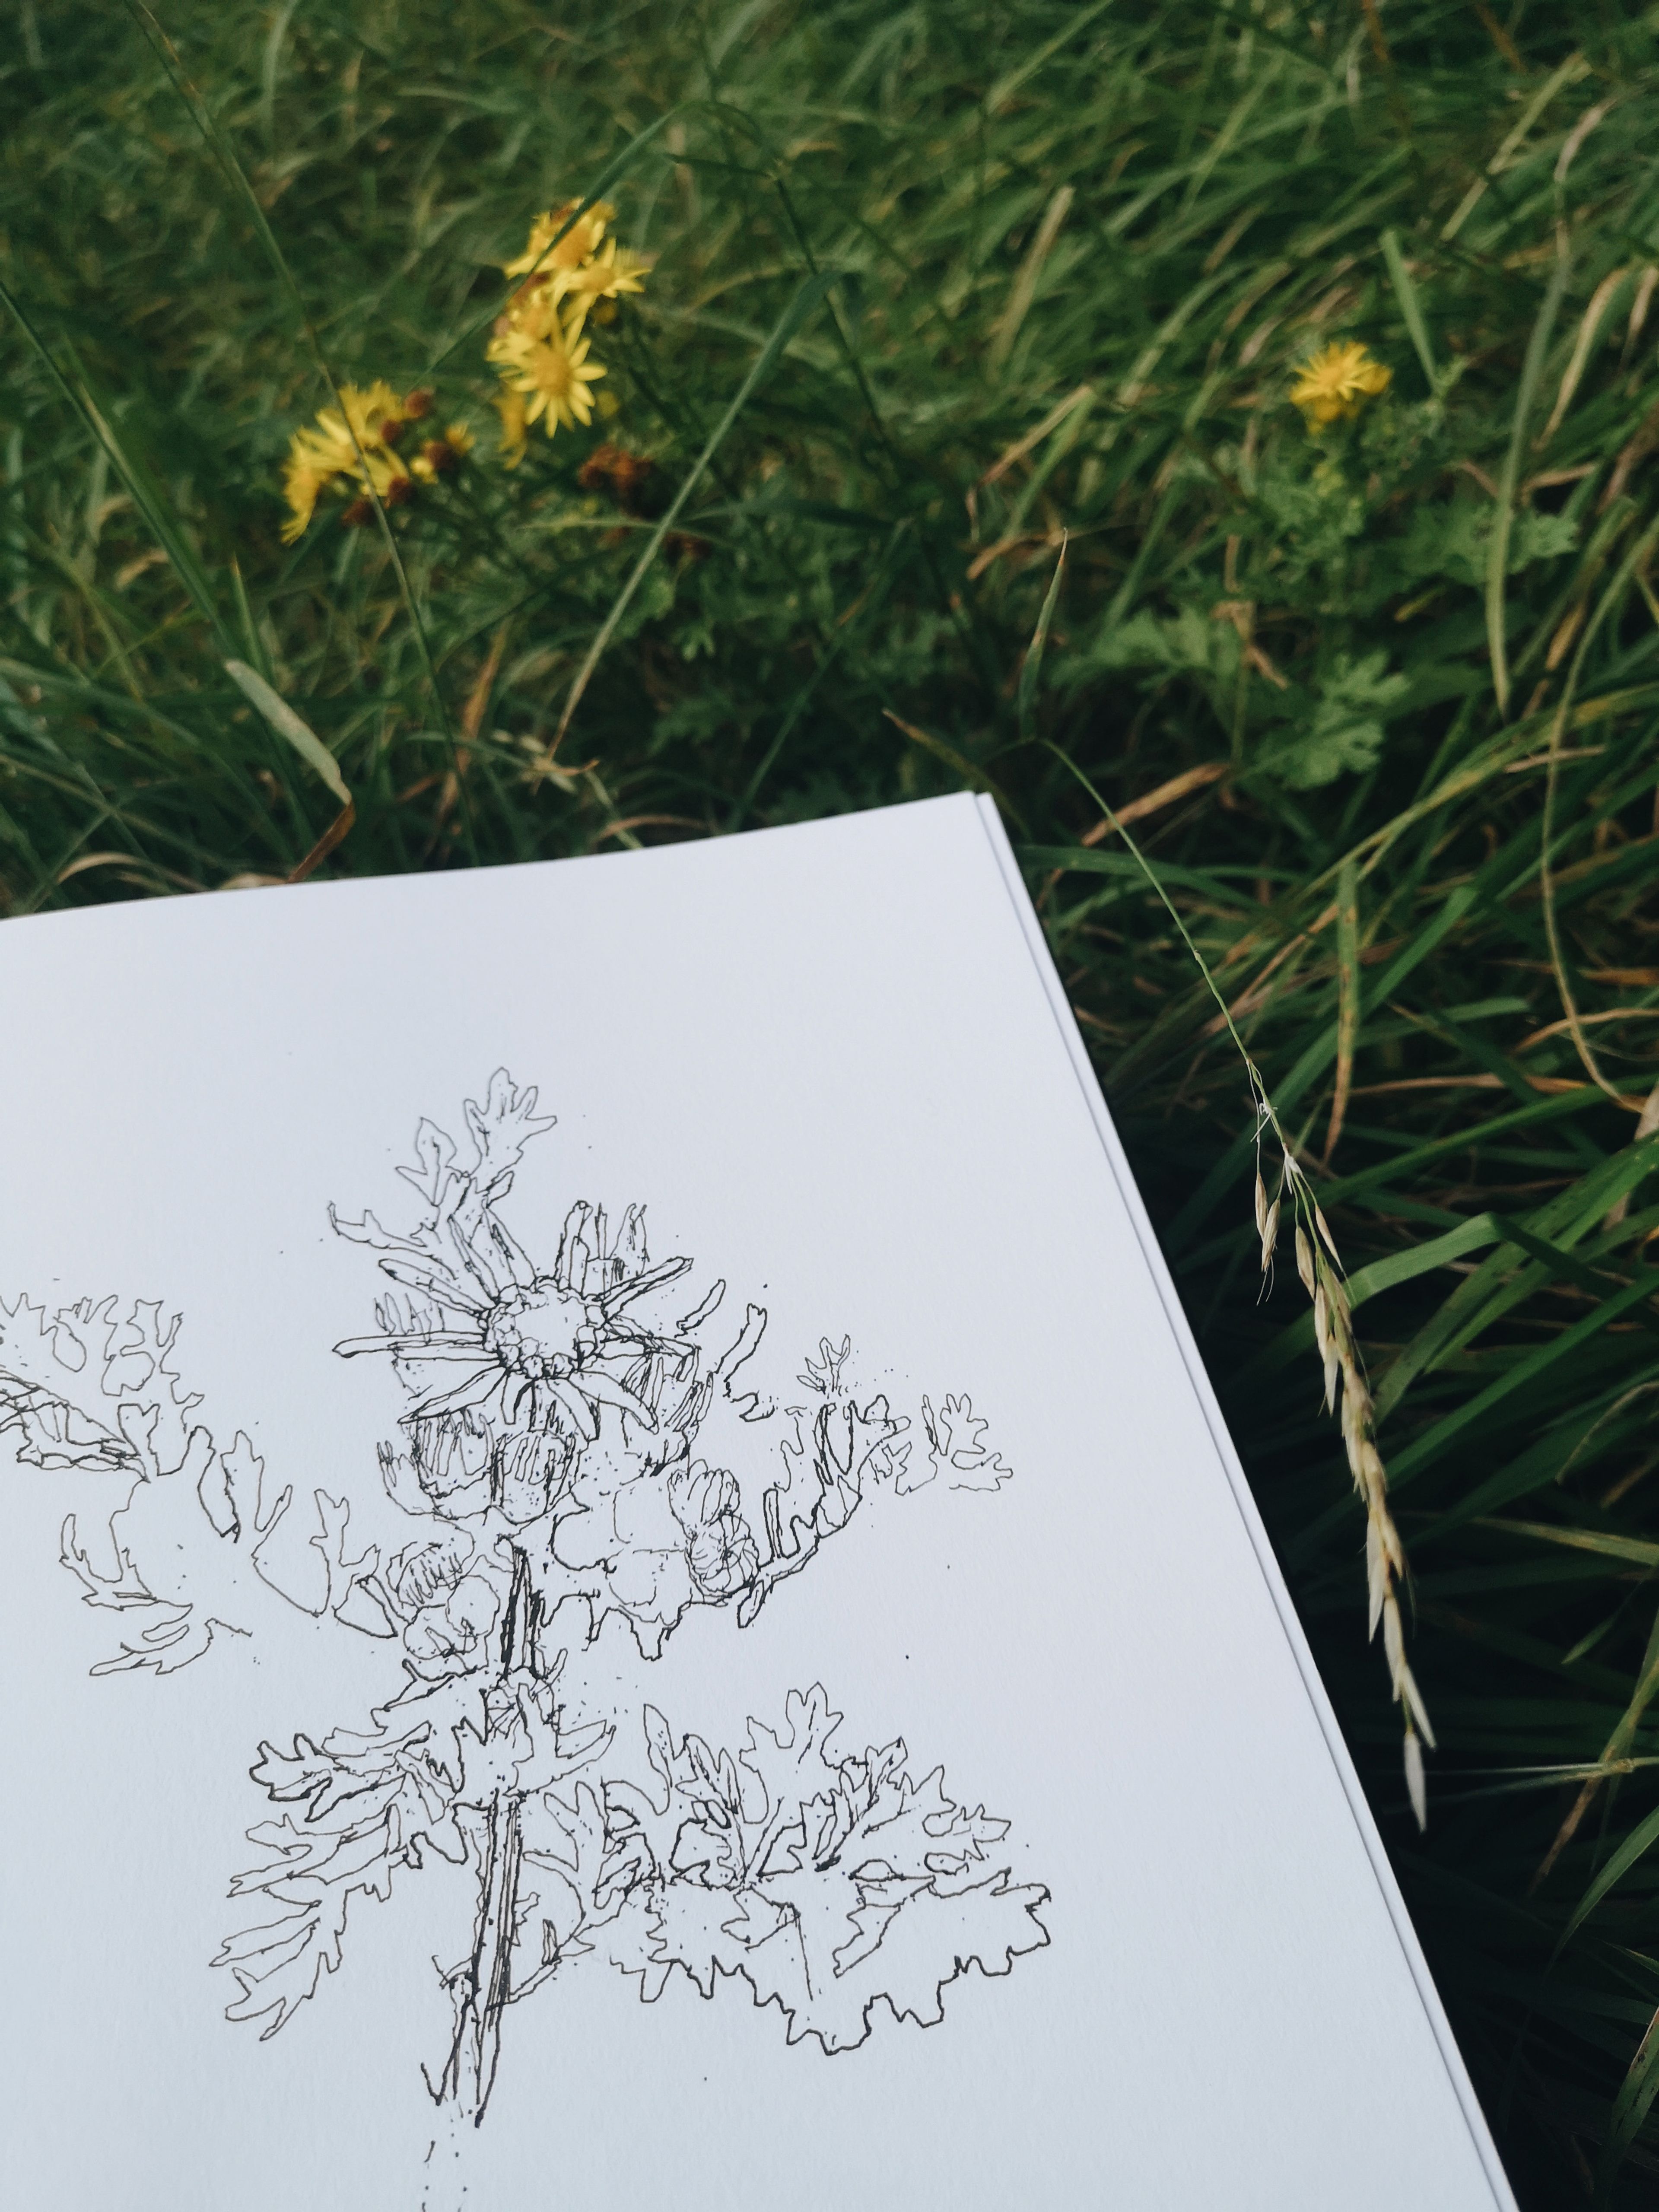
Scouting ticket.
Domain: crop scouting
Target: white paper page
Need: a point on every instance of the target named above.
(1107, 1927)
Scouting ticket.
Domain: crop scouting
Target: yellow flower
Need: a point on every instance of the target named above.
(302, 486)
(313, 462)
(544, 299)
(384, 470)
(353, 440)
(578, 241)
(328, 447)
(552, 372)
(532, 312)
(371, 413)
(538, 348)
(606, 275)
(1335, 383)
(377, 421)
(509, 405)
(315, 458)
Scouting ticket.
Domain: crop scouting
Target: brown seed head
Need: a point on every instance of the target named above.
(612, 468)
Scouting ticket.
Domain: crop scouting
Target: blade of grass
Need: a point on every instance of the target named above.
(146, 494)
(1411, 308)
(225, 156)
(1497, 554)
(808, 294)
(1348, 1015)
(311, 748)
(1031, 668)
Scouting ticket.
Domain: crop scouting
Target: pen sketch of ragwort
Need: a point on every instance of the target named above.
(545, 1480)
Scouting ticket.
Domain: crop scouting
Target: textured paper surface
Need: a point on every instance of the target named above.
(1073, 1907)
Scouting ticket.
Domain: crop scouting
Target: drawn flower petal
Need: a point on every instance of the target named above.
(445, 1344)
(602, 1390)
(437, 1281)
(473, 1392)
(578, 1408)
(634, 1286)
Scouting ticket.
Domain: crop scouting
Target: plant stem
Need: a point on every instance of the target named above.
(484, 1987)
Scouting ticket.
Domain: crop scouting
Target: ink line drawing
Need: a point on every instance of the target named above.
(544, 1483)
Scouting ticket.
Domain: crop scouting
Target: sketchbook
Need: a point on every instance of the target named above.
(623, 1585)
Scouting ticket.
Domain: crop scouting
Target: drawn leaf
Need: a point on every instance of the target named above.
(65, 1377)
(957, 1447)
(360, 1807)
(834, 1886)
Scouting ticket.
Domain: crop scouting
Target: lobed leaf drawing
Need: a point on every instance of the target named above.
(198, 1548)
(835, 1884)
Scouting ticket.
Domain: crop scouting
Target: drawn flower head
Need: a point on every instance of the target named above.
(720, 1547)
(448, 1602)
(538, 1349)
(1334, 384)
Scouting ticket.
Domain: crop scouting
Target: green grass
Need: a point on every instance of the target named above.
(987, 280)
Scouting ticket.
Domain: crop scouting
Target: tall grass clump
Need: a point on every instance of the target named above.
(1224, 427)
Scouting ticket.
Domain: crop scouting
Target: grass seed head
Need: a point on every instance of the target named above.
(1394, 1640)
(1269, 1236)
(1325, 1231)
(1416, 1788)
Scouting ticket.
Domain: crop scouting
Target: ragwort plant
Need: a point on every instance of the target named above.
(934, 292)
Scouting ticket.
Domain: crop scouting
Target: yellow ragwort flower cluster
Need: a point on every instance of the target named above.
(360, 443)
(538, 348)
(1336, 382)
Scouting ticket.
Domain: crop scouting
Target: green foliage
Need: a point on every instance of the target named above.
(938, 289)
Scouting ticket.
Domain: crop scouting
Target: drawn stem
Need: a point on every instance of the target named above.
(486, 1986)
(483, 1989)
